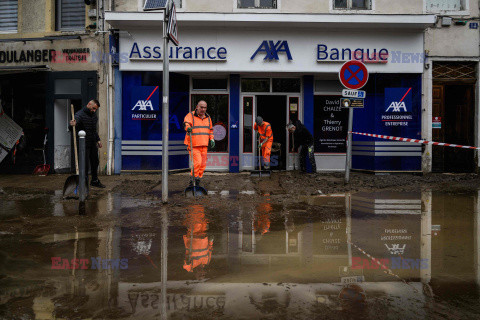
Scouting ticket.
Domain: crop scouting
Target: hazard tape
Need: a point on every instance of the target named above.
(384, 268)
(415, 140)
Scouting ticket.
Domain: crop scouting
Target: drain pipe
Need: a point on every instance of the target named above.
(110, 88)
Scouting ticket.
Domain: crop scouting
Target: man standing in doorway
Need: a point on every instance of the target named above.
(304, 141)
(198, 124)
(266, 139)
(86, 120)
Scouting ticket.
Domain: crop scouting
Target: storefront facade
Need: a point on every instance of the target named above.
(280, 67)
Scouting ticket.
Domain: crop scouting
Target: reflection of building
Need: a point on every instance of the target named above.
(299, 267)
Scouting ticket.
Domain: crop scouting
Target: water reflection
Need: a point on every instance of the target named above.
(355, 255)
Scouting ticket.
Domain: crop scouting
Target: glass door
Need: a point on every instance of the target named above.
(248, 144)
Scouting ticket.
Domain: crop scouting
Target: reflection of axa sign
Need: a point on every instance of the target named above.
(272, 50)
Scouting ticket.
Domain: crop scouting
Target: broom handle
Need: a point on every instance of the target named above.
(75, 139)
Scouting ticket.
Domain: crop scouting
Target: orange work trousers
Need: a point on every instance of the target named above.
(266, 151)
(199, 160)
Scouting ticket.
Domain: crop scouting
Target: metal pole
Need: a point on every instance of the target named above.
(81, 172)
(165, 113)
(348, 214)
(164, 263)
(348, 162)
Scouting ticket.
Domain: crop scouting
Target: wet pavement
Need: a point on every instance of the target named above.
(242, 254)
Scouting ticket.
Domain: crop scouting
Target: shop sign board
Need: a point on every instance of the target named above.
(398, 107)
(332, 122)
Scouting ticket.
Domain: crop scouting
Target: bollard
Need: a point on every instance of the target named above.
(82, 191)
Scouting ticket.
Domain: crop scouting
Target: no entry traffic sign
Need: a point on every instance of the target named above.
(353, 75)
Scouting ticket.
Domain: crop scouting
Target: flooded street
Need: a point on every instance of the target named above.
(361, 254)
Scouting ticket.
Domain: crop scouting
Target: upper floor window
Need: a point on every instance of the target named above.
(259, 4)
(445, 5)
(8, 15)
(70, 15)
(352, 4)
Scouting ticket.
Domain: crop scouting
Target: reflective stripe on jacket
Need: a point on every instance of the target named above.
(265, 131)
(202, 129)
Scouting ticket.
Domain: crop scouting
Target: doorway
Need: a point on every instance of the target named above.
(272, 108)
(453, 116)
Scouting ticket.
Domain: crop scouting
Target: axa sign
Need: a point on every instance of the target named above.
(143, 105)
(272, 49)
(398, 99)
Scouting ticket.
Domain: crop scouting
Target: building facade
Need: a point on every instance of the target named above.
(281, 60)
(49, 61)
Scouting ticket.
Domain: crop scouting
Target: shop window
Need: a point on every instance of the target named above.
(445, 5)
(330, 86)
(247, 124)
(70, 15)
(68, 86)
(259, 4)
(217, 108)
(286, 85)
(352, 4)
(210, 84)
(255, 85)
(9, 15)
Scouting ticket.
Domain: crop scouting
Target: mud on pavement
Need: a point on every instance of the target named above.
(281, 247)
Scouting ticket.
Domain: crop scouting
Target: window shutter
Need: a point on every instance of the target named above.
(72, 14)
(8, 15)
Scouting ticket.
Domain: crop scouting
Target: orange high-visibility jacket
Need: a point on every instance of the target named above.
(265, 131)
(202, 130)
(200, 254)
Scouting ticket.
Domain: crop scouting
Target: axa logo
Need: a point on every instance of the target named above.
(273, 49)
(398, 99)
(397, 107)
(395, 249)
(143, 105)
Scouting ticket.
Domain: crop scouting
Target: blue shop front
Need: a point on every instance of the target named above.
(279, 74)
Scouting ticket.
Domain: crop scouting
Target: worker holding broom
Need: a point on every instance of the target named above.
(266, 139)
(198, 125)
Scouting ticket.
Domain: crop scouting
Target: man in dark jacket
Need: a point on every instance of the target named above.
(86, 120)
(303, 140)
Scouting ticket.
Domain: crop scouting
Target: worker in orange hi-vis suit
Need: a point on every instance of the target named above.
(266, 139)
(262, 219)
(198, 245)
(199, 124)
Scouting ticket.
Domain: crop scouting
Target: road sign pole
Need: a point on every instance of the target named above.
(165, 111)
(348, 162)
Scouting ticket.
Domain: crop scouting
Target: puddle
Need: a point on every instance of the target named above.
(399, 255)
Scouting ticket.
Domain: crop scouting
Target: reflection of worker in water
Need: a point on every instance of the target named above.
(198, 244)
(304, 141)
(262, 219)
(266, 139)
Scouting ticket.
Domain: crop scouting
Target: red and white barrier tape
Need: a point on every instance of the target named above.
(415, 140)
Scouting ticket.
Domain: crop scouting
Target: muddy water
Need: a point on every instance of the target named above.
(363, 255)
